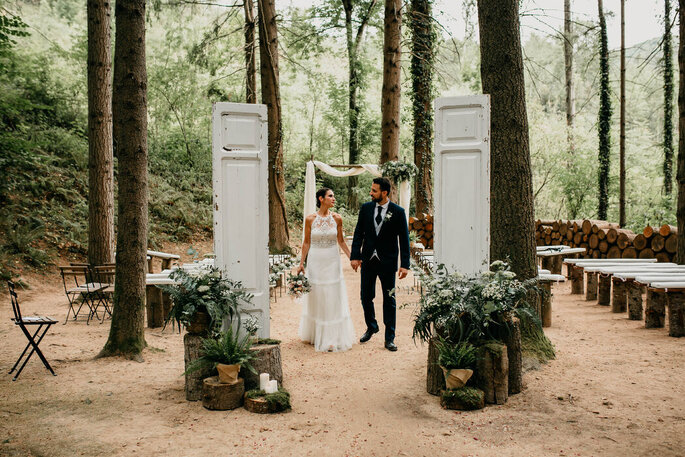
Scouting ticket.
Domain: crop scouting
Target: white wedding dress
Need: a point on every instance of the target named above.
(326, 321)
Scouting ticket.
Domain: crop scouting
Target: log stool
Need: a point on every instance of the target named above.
(655, 308)
(604, 290)
(634, 298)
(576, 276)
(591, 289)
(220, 396)
(618, 298)
(676, 312)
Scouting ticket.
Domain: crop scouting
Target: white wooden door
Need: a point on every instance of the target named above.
(461, 173)
(241, 213)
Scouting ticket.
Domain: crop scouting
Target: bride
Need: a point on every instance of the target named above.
(325, 320)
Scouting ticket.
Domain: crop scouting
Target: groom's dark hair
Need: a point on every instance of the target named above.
(383, 183)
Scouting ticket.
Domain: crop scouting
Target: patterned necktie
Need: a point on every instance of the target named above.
(379, 219)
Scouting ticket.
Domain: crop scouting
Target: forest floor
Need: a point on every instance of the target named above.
(615, 388)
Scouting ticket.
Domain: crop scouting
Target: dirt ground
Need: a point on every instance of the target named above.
(614, 389)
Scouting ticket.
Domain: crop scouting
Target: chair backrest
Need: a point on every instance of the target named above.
(104, 274)
(77, 273)
(15, 301)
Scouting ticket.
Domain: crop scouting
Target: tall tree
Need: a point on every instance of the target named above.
(568, 66)
(511, 187)
(422, 58)
(250, 62)
(129, 113)
(680, 211)
(604, 117)
(390, 95)
(100, 156)
(622, 123)
(354, 41)
(271, 97)
(668, 101)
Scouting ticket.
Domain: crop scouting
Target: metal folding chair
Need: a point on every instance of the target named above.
(81, 290)
(104, 275)
(43, 323)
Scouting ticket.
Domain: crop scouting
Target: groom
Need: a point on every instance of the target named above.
(381, 228)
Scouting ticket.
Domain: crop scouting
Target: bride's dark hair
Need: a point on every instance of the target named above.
(321, 193)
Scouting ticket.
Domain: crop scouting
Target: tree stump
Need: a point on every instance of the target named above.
(591, 289)
(193, 351)
(221, 397)
(604, 290)
(513, 342)
(556, 265)
(492, 372)
(634, 297)
(464, 399)
(435, 379)
(154, 306)
(676, 314)
(546, 304)
(576, 279)
(267, 360)
(655, 309)
(618, 299)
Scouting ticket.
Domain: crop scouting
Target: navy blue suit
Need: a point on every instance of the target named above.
(392, 240)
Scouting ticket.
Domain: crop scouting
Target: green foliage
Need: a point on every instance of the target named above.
(470, 308)
(399, 171)
(277, 401)
(468, 397)
(205, 291)
(227, 348)
(458, 355)
(268, 341)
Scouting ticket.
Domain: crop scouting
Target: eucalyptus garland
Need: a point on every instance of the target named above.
(399, 171)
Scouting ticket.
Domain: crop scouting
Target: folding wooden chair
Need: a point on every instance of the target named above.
(81, 290)
(104, 275)
(43, 323)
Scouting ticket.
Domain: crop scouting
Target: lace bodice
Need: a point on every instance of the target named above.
(324, 232)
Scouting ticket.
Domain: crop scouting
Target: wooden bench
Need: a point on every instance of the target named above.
(551, 256)
(674, 293)
(157, 302)
(165, 257)
(576, 270)
(545, 308)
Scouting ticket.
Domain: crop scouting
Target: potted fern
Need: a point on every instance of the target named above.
(227, 353)
(457, 362)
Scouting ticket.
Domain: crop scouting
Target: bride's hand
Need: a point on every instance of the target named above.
(299, 270)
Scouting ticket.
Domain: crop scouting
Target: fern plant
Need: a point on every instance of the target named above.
(229, 348)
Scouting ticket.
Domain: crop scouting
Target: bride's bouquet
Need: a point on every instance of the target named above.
(298, 285)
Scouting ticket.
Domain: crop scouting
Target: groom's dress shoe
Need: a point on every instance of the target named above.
(367, 336)
(390, 346)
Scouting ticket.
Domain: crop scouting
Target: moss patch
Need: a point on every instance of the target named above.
(279, 401)
(468, 398)
(268, 341)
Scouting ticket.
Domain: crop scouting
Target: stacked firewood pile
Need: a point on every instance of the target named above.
(422, 224)
(605, 240)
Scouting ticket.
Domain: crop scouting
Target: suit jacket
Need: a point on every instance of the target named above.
(392, 239)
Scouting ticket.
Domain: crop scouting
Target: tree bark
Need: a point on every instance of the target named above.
(271, 97)
(676, 314)
(634, 298)
(568, 66)
(655, 309)
(422, 58)
(668, 101)
(435, 379)
(622, 123)
(222, 397)
(268, 360)
(129, 113)
(511, 211)
(250, 60)
(100, 154)
(492, 373)
(390, 105)
(680, 211)
(514, 353)
(604, 117)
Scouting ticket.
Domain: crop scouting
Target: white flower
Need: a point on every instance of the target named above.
(387, 217)
(203, 288)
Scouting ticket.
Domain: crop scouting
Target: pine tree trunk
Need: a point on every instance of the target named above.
(422, 58)
(622, 122)
(271, 97)
(511, 203)
(680, 211)
(100, 154)
(129, 113)
(604, 118)
(250, 61)
(568, 66)
(390, 105)
(668, 101)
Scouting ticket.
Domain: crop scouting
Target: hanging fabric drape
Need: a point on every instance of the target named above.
(310, 184)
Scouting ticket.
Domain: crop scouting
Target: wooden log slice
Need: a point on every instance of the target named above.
(492, 373)
(596, 254)
(634, 299)
(664, 257)
(666, 230)
(591, 289)
(604, 290)
(593, 241)
(614, 252)
(676, 314)
(548, 240)
(267, 360)
(602, 234)
(435, 379)
(646, 254)
(612, 235)
(671, 244)
(586, 226)
(625, 239)
(260, 405)
(658, 243)
(192, 345)
(603, 246)
(222, 397)
(640, 242)
(563, 229)
(569, 235)
(648, 231)
(629, 253)
(618, 299)
(655, 309)
(555, 226)
(577, 237)
(577, 283)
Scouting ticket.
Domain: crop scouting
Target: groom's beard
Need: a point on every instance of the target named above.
(376, 200)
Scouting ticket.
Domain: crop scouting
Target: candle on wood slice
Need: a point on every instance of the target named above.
(263, 381)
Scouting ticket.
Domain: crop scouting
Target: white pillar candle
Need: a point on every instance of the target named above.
(272, 387)
(263, 381)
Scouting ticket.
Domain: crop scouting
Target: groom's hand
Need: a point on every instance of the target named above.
(402, 273)
(355, 264)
